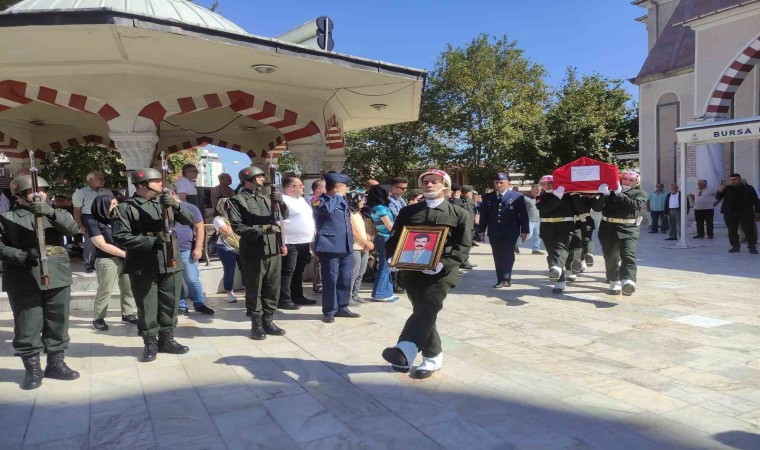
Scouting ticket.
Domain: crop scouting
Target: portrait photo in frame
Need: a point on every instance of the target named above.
(419, 248)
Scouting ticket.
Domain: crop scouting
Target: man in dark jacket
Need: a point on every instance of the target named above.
(739, 203)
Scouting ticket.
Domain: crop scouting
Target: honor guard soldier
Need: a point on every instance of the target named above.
(557, 230)
(427, 289)
(37, 280)
(585, 224)
(504, 215)
(619, 231)
(468, 203)
(156, 276)
(251, 218)
(334, 246)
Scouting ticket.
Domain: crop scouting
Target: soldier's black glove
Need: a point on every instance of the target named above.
(32, 256)
(161, 240)
(168, 199)
(41, 209)
(276, 197)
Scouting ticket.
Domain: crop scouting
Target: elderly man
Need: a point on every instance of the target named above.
(82, 201)
(222, 190)
(703, 201)
(334, 245)
(428, 289)
(656, 208)
(297, 233)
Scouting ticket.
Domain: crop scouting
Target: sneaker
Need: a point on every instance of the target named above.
(129, 318)
(183, 312)
(386, 300)
(588, 258)
(231, 298)
(203, 309)
(100, 325)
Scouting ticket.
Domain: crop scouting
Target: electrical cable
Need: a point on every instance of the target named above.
(202, 132)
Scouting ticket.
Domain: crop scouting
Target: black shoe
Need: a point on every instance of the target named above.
(317, 290)
(475, 244)
(734, 250)
(576, 266)
(288, 305)
(697, 237)
(89, 270)
(131, 318)
(588, 258)
(203, 309)
(654, 231)
(399, 290)
(305, 302)
(57, 369)
(502, 284)
(257, 328)
(150, 350)
(270, 327)
(517, 250)
(753, 250)
(167, 344)
(328, 319)
(347, 313)
(466, 266)
(33, 376)
(183, 312)
(100, 325)
(397, 358)
(709, 237)
(671, 239)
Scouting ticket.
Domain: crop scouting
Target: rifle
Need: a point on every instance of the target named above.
(39, 226)
(171, 261)
(276, 218)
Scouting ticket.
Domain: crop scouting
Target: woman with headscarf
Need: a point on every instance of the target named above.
(227, 247)
(362, 243)
(378, 201)
(109, 262)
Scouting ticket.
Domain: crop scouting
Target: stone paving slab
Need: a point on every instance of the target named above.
(677, 365)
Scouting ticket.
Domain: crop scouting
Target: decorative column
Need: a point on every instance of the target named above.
(136, 149)
(310, 156)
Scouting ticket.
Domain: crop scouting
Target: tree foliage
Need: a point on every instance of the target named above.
(288, 164)
(589, 116)
(5, 4)
(66, 170)
(179, 159)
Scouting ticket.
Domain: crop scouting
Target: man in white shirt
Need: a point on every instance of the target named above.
(703, 201)
(186, 188)
(297, 233)
(82, 202)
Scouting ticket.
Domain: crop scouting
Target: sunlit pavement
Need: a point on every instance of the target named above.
(676, 365)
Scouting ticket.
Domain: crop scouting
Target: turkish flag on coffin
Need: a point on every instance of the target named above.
(585, 175)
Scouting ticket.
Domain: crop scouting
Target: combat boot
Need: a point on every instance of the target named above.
(257, 328)
(150, 351)
(33, 376)
(270, 327)
(167, 344)
(57, 369)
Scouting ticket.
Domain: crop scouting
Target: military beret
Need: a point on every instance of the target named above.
(337, 177)
(456, 187)
(467, 188)
(501, 176)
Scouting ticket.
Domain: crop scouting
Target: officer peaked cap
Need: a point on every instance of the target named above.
(337, 177)
(501, 176)
(456, 187)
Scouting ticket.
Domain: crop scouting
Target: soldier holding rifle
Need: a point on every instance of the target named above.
(143, 227)
(37, 278)
(255, 218)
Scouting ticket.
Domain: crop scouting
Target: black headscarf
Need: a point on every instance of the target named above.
(100, 207)
(353, 198)
(377, 195)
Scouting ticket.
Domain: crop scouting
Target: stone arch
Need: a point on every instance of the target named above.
(205, 140)
(668, 97)
(17, 93)
(90, 139)
(292, 125)
(719, 103)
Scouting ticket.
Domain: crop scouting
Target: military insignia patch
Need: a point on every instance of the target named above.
(140, 174)
(316, 202)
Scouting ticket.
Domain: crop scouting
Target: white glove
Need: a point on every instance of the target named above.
(437, 269)
(393, 269)
(559, 192)
(619, 189)
(604, 189)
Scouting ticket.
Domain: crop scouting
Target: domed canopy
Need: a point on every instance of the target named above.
(182, 11)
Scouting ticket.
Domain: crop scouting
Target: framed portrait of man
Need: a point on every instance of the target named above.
(419, 248)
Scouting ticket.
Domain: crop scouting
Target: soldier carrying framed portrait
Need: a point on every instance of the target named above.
(421, 247)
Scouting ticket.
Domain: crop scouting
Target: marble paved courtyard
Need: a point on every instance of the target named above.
(676, 366)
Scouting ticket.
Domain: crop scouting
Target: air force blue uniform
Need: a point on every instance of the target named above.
(505, 217)
(334, 245)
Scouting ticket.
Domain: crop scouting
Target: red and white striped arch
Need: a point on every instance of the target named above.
(719, 103)
(205, 140)
(292, 126)
(334, 134)
(90, 139)
(17, 93)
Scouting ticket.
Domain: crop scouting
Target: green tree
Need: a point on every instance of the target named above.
(66, 170)
(288, 164)
(590, 117)
(179, 159)
(5, 4)
(486, 97)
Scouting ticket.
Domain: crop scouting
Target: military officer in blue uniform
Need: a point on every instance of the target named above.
(334, 246)
(504, 215)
